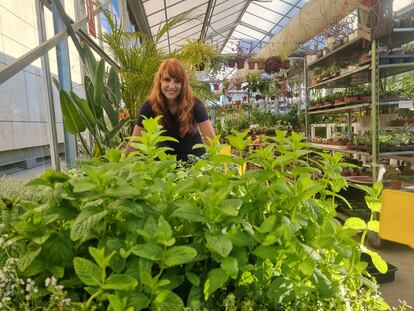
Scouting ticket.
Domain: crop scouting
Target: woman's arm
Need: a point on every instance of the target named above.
(207, 131)
(136, 132)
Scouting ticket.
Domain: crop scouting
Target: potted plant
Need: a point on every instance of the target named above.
(237, 80)
(272, 65)
(198, 54)
(392, 173)
(226, 84)
(351, 95)
(338, 97)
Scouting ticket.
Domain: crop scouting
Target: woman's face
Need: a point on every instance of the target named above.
(170, 87)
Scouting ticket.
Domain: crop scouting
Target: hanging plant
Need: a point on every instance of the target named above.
(272, 65)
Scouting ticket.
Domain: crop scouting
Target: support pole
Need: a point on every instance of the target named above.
(374, 107)
(65, 80)
(307, 96)
(47, 79)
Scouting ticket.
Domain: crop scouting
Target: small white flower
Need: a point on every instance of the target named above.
(47, 282)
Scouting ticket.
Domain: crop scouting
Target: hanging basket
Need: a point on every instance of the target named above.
(272, 65)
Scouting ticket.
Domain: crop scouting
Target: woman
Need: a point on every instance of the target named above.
(171, 96)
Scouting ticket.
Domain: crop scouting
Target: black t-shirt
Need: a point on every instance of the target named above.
(185, 144)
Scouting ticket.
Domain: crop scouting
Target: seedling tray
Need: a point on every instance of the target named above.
(388, 276)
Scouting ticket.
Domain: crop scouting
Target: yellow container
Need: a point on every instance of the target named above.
(397, 217)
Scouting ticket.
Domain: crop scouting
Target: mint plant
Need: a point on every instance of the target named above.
(148, 233)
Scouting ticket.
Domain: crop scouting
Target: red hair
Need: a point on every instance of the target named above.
(174, 68)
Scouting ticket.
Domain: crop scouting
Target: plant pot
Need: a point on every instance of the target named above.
(260, 65)
(240, 63)
(286, 63)
(350, 98)
(251, 64)
(216, 86)
(237, 86)
(396, 184)
(339, 101)
(231, 63)
(366, 98)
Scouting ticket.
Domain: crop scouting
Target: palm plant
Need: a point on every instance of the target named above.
(138, 62)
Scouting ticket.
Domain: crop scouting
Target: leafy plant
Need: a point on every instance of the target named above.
(99, 112)
(138, 62)
(149, 233)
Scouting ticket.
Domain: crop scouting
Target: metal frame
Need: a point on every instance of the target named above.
(207, 18)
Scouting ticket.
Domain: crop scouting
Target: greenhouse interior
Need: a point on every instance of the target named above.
(207, 155)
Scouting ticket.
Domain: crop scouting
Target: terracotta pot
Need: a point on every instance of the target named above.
(339, 100)
(260, 65)
(251, 65)
(350, 98)
(231, 63)
(396, 184)
(366, 98)
(216, 86)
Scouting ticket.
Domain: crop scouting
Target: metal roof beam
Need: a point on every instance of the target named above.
(196, 7)
(207, 18)
(236, 23)
(138, 13)
(29, 57)
(179, 33)
(271, 30)
(267, 33)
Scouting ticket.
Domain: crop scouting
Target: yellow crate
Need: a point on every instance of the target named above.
(397, 217)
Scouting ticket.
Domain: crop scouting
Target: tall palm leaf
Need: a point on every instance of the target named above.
(138, 62)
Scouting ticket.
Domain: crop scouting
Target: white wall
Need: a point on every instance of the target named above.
(23, 115)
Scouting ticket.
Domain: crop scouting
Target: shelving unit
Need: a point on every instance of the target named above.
(368, 72)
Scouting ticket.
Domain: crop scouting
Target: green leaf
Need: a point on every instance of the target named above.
(167, 300)
(178, 255)
(59, 250)
(113, 115)
(355, 223)
(231, 206)
(120, 282)
(116, 303)
(374, 225)
(99, 83)
(139, 301)
(99, 256)
(378, 262)
(87, 271)
(216, 278)
(373, 204)
(84, 110)
(72, 119)
(219, 243)
(268, 223)
(188, 212)
(83, 187)
(85, 223)
(28, 257)
(279, 289)
(164, 232)
(230, 266)
(193, 278)
(148, 251)
(266, 252)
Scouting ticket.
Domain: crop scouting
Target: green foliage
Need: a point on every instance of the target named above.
(146, 233)
(99, 112)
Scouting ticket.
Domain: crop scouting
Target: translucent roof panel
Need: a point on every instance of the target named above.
(225, 23)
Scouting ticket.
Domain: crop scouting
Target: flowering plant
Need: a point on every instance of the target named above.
(237, 80)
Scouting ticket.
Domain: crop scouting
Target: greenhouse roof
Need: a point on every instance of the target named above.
(225, 23)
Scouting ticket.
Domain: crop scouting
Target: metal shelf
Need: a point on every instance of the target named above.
(352, 107)
(357, 76)
(340, 109)
(393, 155)
(341, 53)
(363, 75)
